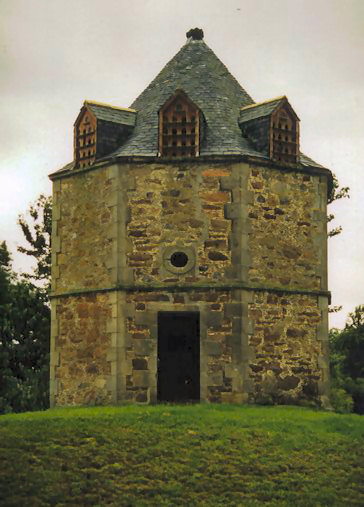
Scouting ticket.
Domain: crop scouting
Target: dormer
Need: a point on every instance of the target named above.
(99, 130)
(180, 123)
(273, 128)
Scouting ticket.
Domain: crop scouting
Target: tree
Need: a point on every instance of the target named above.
(24, 341)
(25, 317)
(38, 236)
(347, 359)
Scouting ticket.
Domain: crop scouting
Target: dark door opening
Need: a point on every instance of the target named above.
(178, 356)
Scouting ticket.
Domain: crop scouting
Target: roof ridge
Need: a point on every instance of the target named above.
(264, 102)
(103, 104)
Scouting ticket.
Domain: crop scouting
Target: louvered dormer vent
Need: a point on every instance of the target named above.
(179, 127)
(99, 130)
(273, 128)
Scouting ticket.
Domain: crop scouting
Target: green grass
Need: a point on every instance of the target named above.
(181, 455)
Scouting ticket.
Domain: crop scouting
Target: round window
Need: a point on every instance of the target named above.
(179, 259)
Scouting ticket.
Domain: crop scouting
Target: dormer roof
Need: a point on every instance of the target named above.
(106, 112)
(262, 109)
(99, 130)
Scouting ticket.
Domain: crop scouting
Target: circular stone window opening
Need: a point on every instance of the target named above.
(179, 259)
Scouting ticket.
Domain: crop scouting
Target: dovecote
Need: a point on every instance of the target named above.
(99, 130)
(191, 269)
(273, 128)
(179, 127)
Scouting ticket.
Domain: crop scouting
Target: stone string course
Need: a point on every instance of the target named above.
(240, 223)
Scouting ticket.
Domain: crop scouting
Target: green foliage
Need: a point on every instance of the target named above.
(5, 272)
(336, 193)
(38, 237)
(335, 309)
(24, 341)
(181, 455)
(347, 363)
(341, 400)
(5, 258)
(25, 317)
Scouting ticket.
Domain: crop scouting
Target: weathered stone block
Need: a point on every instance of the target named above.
(296, 333)
(229, 370)
(213, 348)
(217, 256)
(111, 326)
(144, 347)
(213, 319)
(56, 244)
(216, 197)
(236, 326)
(232, 211)
(233, 310)
(143, 378)
(227, 397)
(215, 379)
(287, 383)
(147, 318)
(140, 363)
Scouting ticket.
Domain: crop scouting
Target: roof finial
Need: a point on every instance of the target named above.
(195, 34)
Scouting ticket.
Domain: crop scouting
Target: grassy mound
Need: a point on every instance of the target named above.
(181, 455)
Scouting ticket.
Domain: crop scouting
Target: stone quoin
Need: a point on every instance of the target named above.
(189, 248)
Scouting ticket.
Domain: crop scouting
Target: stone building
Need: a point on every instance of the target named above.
(189, 248)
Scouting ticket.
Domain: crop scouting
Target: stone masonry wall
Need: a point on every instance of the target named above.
(256, 241)
(81, 341)
(288, 351)
(82, 245)
(125, 217)
(283, 215)
(288, 221)
(178, 205)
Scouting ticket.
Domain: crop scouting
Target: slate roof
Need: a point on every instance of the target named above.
(124, 116)
(307, 161)
(260, 110)
(205, 79)
(253, 111)
(197, 71)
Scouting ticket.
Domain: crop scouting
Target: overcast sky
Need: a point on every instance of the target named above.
(54, 54)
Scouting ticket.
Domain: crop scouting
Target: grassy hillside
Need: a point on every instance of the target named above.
(181, 455)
